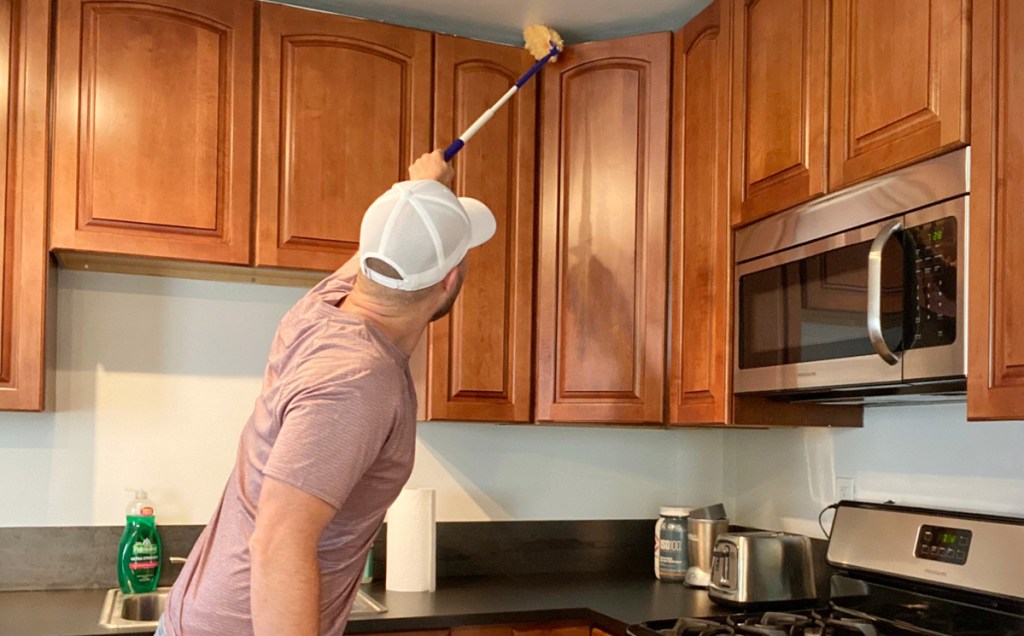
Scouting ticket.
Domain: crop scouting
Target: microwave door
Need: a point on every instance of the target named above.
(802, 314)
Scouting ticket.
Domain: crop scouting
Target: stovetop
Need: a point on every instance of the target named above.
(857, 607)
(819, 622)
(902, 570)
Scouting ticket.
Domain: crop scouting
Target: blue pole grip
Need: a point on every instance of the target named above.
(453, 150)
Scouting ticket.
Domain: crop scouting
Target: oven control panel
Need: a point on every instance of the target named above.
(939, 543)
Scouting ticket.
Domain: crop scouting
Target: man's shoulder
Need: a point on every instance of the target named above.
(349, 355)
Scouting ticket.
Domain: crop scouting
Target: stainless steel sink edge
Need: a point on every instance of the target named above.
(111, 616)
(112, 613)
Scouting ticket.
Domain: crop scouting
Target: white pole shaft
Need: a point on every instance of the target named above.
(483, 119)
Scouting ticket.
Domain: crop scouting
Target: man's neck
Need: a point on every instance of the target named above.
(402, 326)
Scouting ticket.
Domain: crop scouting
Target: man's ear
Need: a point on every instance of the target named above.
(451, 280)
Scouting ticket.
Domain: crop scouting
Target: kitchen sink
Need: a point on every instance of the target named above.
(135, 611)
(132, 611)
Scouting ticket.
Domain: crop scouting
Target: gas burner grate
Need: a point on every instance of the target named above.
(776, 624)
(697, 627)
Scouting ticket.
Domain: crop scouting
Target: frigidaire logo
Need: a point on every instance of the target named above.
(936, 572)
(806, 374)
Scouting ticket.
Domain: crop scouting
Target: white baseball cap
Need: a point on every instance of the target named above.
(423, 231)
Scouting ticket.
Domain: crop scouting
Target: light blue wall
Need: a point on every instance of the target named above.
(921, 455)
(156, 377)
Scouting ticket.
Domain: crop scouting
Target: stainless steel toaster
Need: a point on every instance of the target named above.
(761, 569)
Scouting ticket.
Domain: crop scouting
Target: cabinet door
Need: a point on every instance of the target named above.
(556, 629)
(995, 376)
(601, 276)
(779, 105)
(24, 64)
(153, 130)
(899, 84)
(480, 355)
(344, 109)
(700, 254)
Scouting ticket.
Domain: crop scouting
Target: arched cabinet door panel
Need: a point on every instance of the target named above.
(602, 235)
(344, 108)
(480, 355)
(152, 143)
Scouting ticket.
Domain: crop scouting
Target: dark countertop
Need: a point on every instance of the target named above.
(605, 601)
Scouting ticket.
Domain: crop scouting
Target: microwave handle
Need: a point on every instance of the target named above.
(875, 292)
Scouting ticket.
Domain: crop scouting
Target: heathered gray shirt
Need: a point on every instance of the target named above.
(337, 419)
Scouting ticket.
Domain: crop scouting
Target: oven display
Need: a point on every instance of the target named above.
(949, 545)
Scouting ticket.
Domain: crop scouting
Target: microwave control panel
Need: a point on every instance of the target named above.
(931, 250)
(949, 545)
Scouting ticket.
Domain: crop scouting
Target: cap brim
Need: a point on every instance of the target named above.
(481, 222)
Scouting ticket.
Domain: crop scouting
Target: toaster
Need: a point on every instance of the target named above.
(751, 569)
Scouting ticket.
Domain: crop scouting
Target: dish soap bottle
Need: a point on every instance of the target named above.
(138, 563)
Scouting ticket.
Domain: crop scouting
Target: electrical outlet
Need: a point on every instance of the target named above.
(845, 488)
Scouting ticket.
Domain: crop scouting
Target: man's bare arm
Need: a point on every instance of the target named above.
(285, 578)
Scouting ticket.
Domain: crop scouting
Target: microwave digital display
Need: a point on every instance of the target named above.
(815, 308)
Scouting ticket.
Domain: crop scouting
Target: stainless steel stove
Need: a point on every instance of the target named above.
(900, 570)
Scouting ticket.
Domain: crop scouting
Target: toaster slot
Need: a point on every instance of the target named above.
(723, 566)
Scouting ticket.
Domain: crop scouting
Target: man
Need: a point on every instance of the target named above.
(331, 439)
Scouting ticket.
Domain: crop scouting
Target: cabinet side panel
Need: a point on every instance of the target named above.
(996, 337)
(700, 221)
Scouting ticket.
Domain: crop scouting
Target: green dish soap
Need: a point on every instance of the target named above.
(138, 557)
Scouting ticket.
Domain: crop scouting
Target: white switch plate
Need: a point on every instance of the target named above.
(845, 488)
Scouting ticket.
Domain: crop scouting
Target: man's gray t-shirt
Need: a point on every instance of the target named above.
(337, 419)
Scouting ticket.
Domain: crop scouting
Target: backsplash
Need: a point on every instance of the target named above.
(86, 557)
(78, 557)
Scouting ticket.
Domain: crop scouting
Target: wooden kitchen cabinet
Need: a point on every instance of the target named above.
(554, 628)
(995, 376)
(24, 87)
(779, 116)
(482, 630)
(153, 128)
(602, 235)
(344, 109)
(899, 84)
(479, 357)
(424, 632)
(581, 629)
(701, 249)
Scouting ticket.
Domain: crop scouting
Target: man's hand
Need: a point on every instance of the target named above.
(432, 166)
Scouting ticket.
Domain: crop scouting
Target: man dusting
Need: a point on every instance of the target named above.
(331, 439)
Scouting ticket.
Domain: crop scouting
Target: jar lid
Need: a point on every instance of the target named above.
(675, 511)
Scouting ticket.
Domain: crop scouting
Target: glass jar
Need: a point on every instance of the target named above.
(670, 562)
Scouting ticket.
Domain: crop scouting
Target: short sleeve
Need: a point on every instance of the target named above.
(331, 433)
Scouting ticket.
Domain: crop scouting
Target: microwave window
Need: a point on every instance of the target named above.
(816, 308)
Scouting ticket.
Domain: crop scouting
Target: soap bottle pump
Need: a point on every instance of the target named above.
(138, 564)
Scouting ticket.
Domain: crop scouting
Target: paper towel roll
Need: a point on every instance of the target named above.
(411, 542)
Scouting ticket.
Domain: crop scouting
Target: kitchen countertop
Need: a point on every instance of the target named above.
(606, 601)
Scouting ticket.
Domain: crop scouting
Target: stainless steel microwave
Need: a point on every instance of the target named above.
(859, 296)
